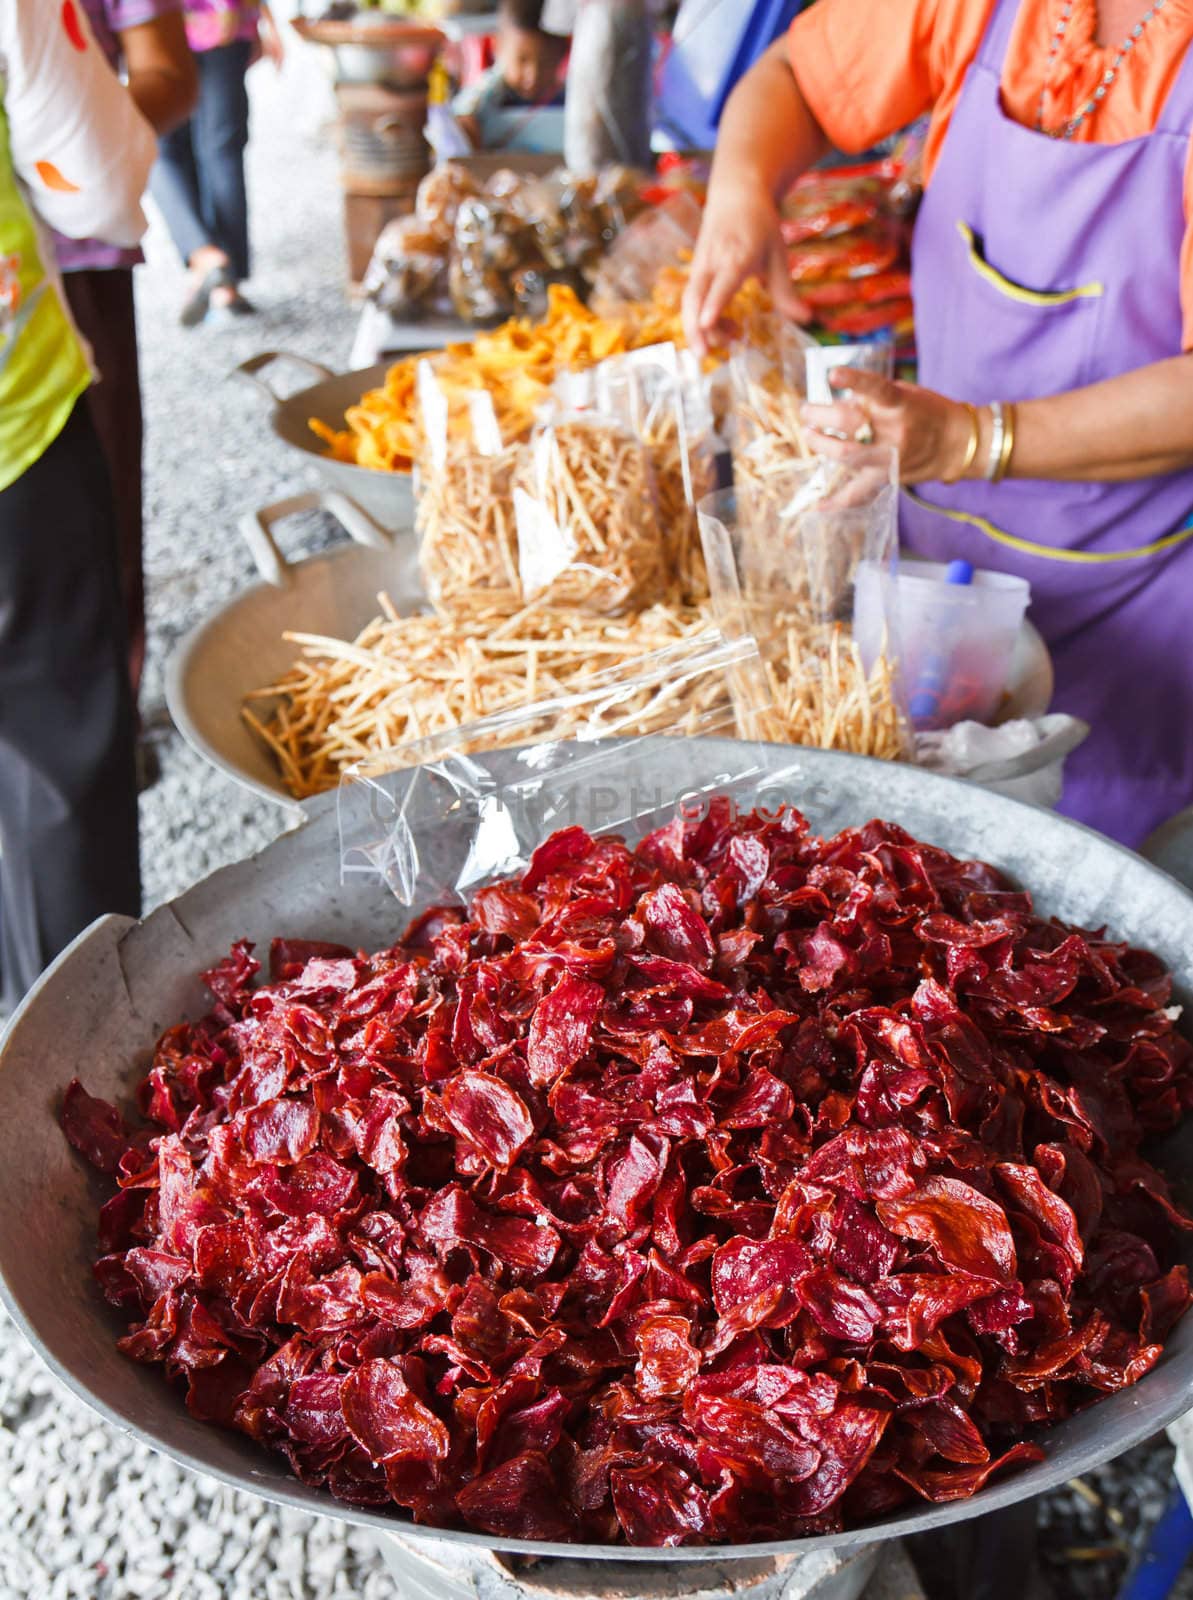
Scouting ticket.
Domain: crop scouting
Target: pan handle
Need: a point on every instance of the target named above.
(257, 527)
(255, 365)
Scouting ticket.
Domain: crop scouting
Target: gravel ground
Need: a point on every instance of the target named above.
(91, 1516)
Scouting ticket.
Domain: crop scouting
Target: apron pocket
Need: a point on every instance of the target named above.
(1020, 293)
(1034, 329)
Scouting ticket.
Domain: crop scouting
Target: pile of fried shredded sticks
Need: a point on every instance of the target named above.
(741, 1185)
(636, 583)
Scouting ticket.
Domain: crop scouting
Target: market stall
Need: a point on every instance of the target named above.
(577, 631)
(381, 69)
(621, 1148)
(566, 519)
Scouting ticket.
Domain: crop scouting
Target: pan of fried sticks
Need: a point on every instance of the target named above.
(341, 625)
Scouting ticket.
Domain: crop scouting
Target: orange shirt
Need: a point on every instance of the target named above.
(865, 73)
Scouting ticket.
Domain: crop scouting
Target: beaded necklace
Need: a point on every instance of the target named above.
(1069, 128)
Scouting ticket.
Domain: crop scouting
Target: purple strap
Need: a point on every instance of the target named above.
(1176, 114)
(997, 38)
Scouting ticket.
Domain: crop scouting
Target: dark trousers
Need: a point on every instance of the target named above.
(68, 791)
(199, 178)
(102, 304)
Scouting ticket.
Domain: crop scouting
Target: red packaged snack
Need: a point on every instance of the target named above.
(860, 318)
(861, 291)
(826, 221)
(741, 1185)
(854, 256)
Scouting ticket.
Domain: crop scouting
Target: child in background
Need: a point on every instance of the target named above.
(528, 71)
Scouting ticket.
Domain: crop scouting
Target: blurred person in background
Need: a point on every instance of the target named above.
(199, 180)
(68, 802)
(527, 72)
(610, 81)
(147, 38)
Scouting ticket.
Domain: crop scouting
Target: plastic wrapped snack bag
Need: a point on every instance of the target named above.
(660, 395)
(784, 572)
(464, 518)
(587, 515)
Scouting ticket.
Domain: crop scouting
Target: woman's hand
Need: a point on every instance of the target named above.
(739, 238)
(767, 137)
(931, 433)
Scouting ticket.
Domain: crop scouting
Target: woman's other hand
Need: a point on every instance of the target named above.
(931, 433)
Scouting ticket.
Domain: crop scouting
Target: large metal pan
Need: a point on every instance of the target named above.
(240, 647)
(387, 498)
(99, 1009)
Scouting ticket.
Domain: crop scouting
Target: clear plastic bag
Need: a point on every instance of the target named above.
(783, 561)
(574, 220)
(603, 496)
(407, 273)
(485, 252)
(393, 811)
(659, 240)
(661, 396)
(490, 242)
(587, 516)
(802, 523)
(441, 193)
(463, 517)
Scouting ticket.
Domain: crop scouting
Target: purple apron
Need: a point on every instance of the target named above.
(1040, 265)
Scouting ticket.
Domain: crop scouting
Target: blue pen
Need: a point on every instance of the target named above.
(933, 677)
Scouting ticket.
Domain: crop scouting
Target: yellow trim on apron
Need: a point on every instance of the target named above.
(1016, 291)
(1047, 552)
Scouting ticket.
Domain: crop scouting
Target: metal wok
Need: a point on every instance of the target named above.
(240, 648)
(98, 1011)
(387, 498)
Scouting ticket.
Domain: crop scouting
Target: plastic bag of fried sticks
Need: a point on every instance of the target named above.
(785, 557)
(587, 515)
(518, 775)
(783, 553)
(661, 396)
(463, 515)
(672, 415)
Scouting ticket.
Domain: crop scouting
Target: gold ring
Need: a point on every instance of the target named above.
(864, 434)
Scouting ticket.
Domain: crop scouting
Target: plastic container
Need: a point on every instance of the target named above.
(956, 641)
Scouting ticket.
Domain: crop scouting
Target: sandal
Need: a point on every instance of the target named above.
(194, 308)
(232, 309)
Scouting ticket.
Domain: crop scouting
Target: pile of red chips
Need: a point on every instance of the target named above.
(739, 1186)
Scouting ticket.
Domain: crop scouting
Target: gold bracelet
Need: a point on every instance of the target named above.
(971, 449)
(1008, 443)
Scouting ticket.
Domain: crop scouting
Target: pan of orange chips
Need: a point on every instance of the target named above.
(362, 427)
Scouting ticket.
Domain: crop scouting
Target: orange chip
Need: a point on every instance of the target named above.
(517, 363)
